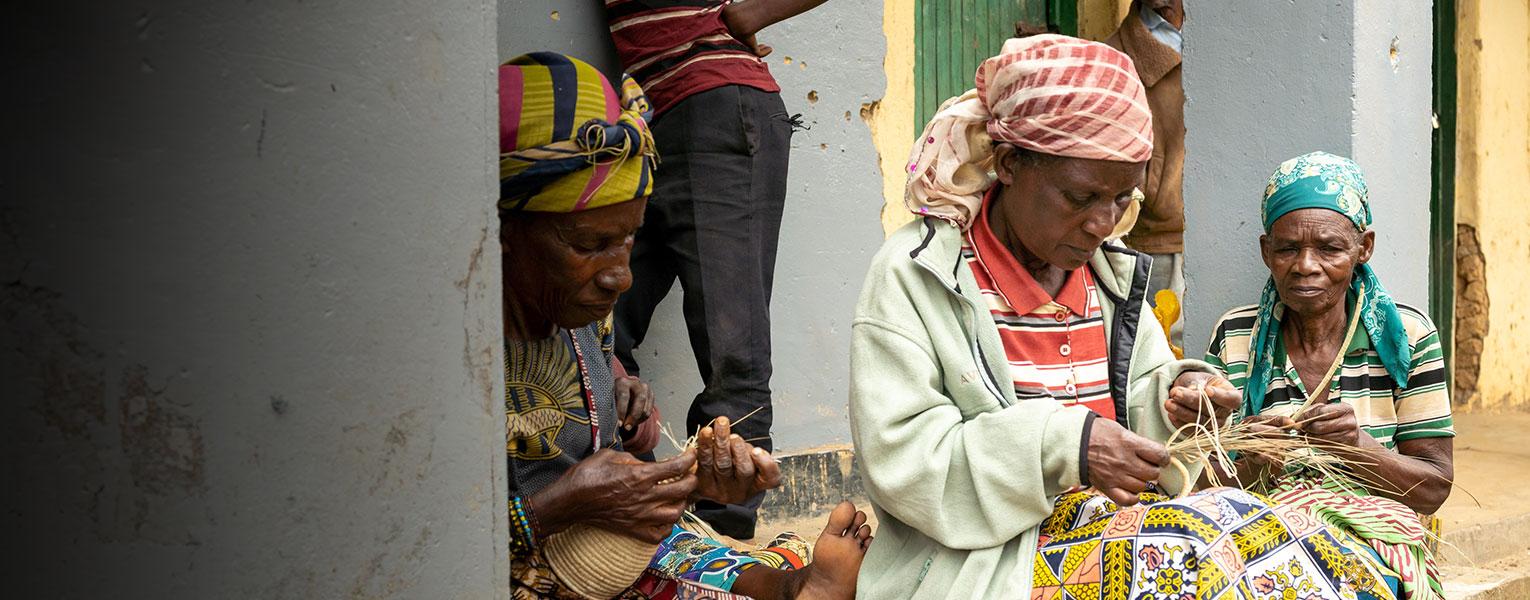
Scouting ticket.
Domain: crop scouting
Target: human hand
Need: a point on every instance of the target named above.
(728, 469)
(634, 403)
(1121, 463)
(739, 19)
(1334, 422)
(1184, 404)
(615, 491)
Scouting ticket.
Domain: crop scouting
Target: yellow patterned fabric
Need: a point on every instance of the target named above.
(567, 141)
(1214, 544)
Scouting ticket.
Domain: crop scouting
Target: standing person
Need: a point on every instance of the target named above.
(724, 136)
(1150, 34)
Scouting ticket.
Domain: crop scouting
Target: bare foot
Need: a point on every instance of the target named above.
(837, 556)
(831, 576)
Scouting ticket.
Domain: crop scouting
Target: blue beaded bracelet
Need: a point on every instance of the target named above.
(523, 535)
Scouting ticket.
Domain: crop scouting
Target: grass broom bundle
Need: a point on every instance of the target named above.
(1197, 444)
(1351, 469)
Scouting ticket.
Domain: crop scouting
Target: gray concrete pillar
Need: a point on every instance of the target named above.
(1266, 81)
(251, 301)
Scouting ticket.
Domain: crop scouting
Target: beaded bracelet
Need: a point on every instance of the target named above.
(523, 534)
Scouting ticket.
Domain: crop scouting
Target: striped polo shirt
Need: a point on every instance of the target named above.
(676, 48)
(1387, 413)
(1055, 346)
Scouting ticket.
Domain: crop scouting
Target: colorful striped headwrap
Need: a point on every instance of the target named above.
(1051, 94)
(566, 143)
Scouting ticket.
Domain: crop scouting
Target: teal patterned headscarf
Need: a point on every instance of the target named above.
(1322, 180)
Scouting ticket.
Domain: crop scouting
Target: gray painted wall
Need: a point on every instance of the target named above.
(1392, 137)
(573, 27)
(829, 233)
(251, 307)
(1267, 81)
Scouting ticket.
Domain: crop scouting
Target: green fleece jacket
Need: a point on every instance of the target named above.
(961, 474)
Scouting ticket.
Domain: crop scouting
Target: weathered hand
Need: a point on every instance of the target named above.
(634, 402)
(728, 469)
(1184, 404)
(614, 490)
(1121, 463)
(1334, 422)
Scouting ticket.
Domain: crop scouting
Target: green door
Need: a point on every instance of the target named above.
(1442, 205)
(951, 37)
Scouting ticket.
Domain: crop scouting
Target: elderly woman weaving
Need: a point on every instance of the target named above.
(1002, 360)
(1329, 354)
(587, 519)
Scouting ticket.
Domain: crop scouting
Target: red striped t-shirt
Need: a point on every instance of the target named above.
(1055, 346)
(676, 48)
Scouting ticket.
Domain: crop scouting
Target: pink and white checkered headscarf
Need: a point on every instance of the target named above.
(1052, 94)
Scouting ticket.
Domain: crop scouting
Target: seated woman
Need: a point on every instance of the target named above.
(1327, 352)
(575, 172)
(1003, 360)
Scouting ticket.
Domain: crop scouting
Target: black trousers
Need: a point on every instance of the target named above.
(713, 222)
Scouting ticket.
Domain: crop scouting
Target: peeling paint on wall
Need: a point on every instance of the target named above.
(891, 118)
(1492, 174)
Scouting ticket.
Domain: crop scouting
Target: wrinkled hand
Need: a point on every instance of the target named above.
(1121, 463)
(728, 469)
(634, 403)
(1184, 404)
(1333, 422)
(614, 490)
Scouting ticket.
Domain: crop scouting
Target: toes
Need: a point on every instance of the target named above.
(863, 533)
(840, 519)
(857, 524)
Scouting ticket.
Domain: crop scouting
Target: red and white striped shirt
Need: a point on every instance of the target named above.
(676, 48)
(1055, 346)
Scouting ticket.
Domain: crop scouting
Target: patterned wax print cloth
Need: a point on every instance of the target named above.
(560, 404)
(686, 566)
(1391, 532)
(1211, 545)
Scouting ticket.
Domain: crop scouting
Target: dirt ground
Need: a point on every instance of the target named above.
(1492, 469)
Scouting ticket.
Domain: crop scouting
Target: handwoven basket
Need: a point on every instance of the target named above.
(596, 563)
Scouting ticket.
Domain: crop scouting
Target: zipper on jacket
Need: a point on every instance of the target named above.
(1123, 328)
(985, 374)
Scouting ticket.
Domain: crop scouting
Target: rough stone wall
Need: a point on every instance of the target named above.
(250, 301)
(1473, 308)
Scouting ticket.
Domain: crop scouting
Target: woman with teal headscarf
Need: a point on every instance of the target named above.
(1329, 355)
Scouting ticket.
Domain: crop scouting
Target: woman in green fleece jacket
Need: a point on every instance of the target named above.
(1009, 391)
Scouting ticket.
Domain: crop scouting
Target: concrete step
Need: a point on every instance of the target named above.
(1484, 543)
(1503, 579)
